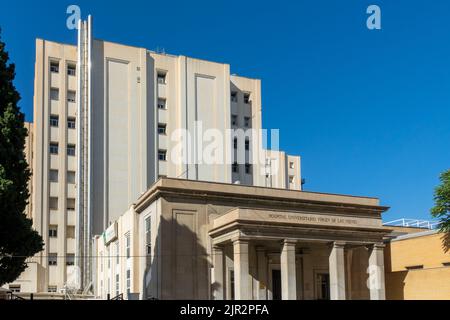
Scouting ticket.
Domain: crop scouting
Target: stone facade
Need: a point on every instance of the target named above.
(203, 240)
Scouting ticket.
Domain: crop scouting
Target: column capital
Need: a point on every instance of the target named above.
(338, 244)
(290, 241)
(377, 246)
(239, 239)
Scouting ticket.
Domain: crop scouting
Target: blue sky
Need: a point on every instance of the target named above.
(368, 111)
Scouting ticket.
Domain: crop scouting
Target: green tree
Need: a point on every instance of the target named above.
(18, 240)
(441, 208)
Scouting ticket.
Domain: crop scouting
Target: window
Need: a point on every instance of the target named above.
(71, 70)
(127, 245)
(54, 94)
(234, 120)
(446, 264)
(71, 96)
(162, 155)
(117, 284)
(128, 281)
(53, 203)
(161, 128)
(161, 103)
(53, 175)
(70, 149)
(148, 239)
(247, 144)
(71, 204)
(52, 259)
(53, 231)
(54, 66)
(71, 177)
(234, 96)
(291, 165)
(291, 179)
(52, 289)
(235, 143)
(70, 259)
(161, 77)
(247, 122)
(248, 168)
(246, 97)
(235, 167)
(70, 232)
(14, 288)
(71, 122)
(54, 121)
(54, 147)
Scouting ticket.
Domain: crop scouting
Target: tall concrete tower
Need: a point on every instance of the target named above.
(84, 195)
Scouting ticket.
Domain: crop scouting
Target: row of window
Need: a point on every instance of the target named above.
(234, 97)
(53, 203)
(54, 121)
(54, 176)
(54, 95)
(53, 231)
(248, 168)
(235, 122)
(53, 259)
(54, 148)
(71, 68)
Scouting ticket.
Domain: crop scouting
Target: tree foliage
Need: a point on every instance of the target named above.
(18, 240)
(441, 209)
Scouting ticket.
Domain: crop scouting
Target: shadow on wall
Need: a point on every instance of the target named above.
(446, 242)
(179, 268)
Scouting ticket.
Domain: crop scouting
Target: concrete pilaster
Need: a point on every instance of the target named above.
(242, 290)
(217, 285)
(376, 272)
(288, 271)
(337, 271)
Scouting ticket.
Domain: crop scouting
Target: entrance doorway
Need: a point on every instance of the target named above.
(276, 284)
(322, 286)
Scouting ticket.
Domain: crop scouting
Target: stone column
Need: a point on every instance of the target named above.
(337, 271)
(262, 273)
(217, 285)
(242, 290)
(376, 272)
(288, 271)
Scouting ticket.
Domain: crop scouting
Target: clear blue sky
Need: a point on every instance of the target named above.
(368, 111)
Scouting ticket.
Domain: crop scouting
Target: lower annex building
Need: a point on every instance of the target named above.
(203, 240)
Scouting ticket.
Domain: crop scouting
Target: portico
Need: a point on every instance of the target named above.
(266, 254)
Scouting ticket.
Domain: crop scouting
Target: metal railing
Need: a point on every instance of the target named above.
(414, 223)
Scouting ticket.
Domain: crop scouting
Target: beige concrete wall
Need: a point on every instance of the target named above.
(424, 250)
(427, 284)
(430, 282)
(43, 135)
